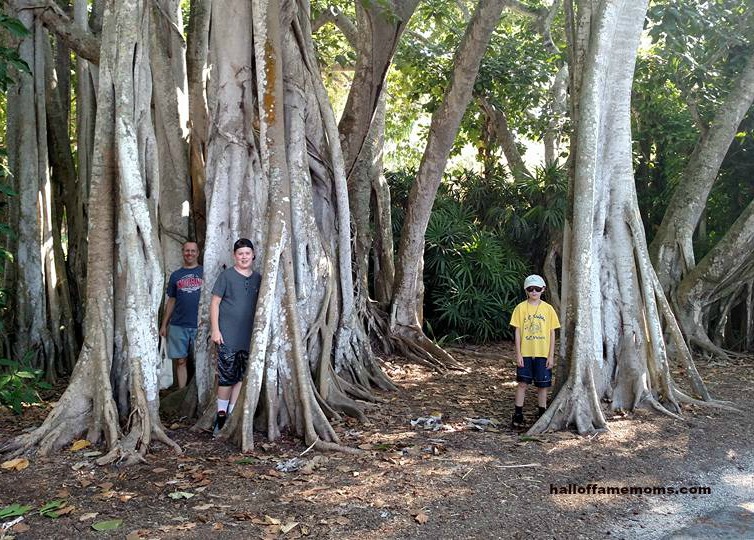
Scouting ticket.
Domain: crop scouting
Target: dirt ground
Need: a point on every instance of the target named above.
(459, 481)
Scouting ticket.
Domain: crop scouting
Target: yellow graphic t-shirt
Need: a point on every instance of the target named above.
(535, 324)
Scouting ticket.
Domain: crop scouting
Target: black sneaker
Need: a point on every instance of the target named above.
(220, 420)
(518, 420)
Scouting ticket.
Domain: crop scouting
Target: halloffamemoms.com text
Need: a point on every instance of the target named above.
(596, 489)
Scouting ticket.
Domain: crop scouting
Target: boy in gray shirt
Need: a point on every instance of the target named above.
(231, 317)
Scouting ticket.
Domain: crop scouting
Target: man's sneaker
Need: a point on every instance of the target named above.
(220, 420)
(518, 420)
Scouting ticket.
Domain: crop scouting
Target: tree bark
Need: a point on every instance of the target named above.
(29, 167)
(672, 248)
(404, 322)
(717, 278)
(196, 73)
(123, 240)
(614, 305)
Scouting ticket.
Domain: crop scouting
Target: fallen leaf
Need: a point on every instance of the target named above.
(203, 507)
(108, 525)
(159, 470)
(80, 445)
(50, 509)
(65, 510)
(217, 526)
(85, 483)
(272, 520)
(107, 486)
(421, 518)
(288, 527)
(21, 528)
(18, 464)
(342, 520)
(88, 516)
(14, 510)
(181, 495)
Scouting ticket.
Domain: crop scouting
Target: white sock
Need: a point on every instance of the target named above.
(230, 407)
(222, 405)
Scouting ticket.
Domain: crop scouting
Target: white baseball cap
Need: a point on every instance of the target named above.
(535, 280)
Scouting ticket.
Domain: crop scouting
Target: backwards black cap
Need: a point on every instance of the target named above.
(242, 243)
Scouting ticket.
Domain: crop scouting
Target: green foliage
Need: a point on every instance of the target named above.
(484, 235)
(20, 384)
(14, 510)
(697, 53)
(9, 57)
(515, 75)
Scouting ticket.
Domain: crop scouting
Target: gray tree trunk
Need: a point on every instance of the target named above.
(28, 163)
(404, 320)
(613, 304)
(123, 242)
(672, 248)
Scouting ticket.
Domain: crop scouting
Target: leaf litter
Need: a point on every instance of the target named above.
(432, 452)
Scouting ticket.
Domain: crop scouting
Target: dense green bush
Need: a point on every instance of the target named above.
(20, 384)
(485, 235)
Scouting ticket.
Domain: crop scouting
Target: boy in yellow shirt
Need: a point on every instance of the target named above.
(535, 322)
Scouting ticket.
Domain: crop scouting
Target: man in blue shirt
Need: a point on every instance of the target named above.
(179, 321)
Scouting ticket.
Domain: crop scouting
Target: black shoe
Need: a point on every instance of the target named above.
(518, 420)
(220, 420)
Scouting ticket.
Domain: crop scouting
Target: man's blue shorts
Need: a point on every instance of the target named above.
(180, 341)
(535, 371)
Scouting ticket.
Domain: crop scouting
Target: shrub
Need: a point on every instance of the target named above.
(20, 384)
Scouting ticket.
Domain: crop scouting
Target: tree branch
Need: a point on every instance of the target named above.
(54, 18)
(345, 25)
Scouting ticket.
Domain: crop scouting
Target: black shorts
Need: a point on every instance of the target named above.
(231, 365)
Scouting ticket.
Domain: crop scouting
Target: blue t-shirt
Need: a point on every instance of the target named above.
(185, 285)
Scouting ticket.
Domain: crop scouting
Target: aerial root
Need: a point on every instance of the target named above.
(715, 404)
(325, 446)
(659, 407)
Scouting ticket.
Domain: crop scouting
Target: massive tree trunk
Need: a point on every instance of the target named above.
(614, 305)
(718, 278)
(278, 177)
(27, 157)
(405, 326)
(672, 248)
(196, 75)
(168, 61)
(123, 243)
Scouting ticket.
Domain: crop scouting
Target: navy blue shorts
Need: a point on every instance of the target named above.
(535, 371)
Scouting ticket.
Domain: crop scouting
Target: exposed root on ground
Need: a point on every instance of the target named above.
(705, 345)
(85, 406)
(411, 343)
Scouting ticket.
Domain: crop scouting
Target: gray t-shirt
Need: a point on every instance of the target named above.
(239, 302)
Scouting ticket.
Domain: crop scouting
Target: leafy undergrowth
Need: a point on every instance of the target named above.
(438, 461)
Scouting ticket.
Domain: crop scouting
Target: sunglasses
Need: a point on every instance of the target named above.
(534, 289)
